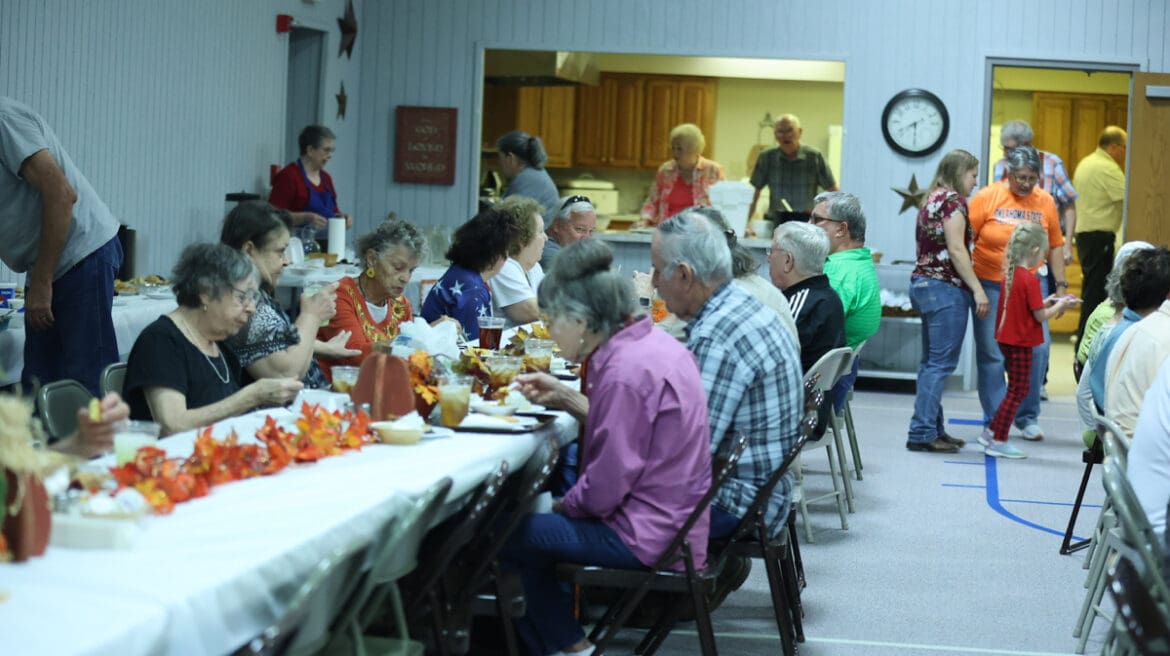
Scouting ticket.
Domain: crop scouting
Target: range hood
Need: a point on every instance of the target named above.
(539, 68)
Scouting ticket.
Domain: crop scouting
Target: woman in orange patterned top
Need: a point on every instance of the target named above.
(681, 182)
(371, 306)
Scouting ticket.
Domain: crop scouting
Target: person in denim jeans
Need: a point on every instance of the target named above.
(994, 213)
(943, 287)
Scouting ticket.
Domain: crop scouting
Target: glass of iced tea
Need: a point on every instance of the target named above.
(538, 353)
(344, 378)
(491, 330)
(454, 398)
(502, 370)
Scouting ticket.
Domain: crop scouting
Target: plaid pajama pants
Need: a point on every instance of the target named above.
(1017, 361)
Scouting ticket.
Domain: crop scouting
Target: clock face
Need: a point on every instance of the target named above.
(915, 123)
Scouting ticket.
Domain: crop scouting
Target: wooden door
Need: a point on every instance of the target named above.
(661, 111)
(696, 104)
(1149, 168)
(556, 124)
(626, 121)
(591, 125)
(1052, 122)
(1091, 119)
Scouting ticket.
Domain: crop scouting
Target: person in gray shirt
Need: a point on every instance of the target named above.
(575, 220)
(791, 172)
(522, 159)
(64, 237)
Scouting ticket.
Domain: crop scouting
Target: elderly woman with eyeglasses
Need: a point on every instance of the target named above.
(645, 456)
(683, 180)
(994, 213)
(180, 373)
(371, 306)
(272, 345)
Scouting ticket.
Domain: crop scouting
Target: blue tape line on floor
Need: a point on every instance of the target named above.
(991, 472)
(965, 422)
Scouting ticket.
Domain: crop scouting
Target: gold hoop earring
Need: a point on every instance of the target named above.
(369, 272)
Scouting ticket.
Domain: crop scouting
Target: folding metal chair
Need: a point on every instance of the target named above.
(113, 377)
(1143, 625)
(822, 376)
(693, 581)
(58, 403)
(846, 415)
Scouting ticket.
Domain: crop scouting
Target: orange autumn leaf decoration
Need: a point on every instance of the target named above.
(422, 377)
(165, 482)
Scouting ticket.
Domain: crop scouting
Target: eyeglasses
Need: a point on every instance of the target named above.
(1026, 179)
(575, 199)
(246, 296)
(817, 218)
(583, 231)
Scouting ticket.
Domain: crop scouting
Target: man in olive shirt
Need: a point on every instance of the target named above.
(1101, 184)
(851, 273)
(791, 171)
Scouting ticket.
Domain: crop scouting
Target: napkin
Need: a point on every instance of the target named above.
(497, 423)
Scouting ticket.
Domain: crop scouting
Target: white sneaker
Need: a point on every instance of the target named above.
(1003, 450)
(1032, 433)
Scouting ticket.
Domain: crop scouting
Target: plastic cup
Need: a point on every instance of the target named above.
(502, 370)
(129, 436)
(311, 290)
(344, 378)
(538, 353)
(454, 399)
(491, 331)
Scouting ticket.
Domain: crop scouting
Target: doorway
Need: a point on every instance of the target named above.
(306, 50)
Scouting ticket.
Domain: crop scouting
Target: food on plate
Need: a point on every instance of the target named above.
(407, 429)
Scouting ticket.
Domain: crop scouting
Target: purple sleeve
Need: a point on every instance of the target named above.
(614, 451)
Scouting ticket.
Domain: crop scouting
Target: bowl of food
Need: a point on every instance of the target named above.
(158, 292)
(407, 429)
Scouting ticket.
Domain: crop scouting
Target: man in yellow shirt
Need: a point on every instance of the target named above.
(1101, 184)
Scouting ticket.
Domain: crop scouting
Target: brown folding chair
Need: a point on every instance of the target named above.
(1144, 621)
(692, 581)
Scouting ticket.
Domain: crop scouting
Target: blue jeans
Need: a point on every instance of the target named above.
(81, 341)
(944, 308)
(992, 385)
(723, 523)
(539, 543)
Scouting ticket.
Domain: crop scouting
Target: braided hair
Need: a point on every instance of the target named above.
(1026, 240)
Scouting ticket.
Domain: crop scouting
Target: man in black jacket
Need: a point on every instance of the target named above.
(796, 262)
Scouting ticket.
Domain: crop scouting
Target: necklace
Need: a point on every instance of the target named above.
(226, 376)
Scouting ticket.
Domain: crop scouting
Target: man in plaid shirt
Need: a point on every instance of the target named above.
(750, 365)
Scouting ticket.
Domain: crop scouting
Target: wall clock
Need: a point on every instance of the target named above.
(915, 123)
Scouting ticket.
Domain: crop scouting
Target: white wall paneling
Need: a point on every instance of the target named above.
(166, 105)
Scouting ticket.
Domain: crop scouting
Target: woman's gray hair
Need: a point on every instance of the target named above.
(389, 235)
(1023, 157)
(1017, 131)
(210, 269)
(583, 285)
(808, 245)
(844, 206)
(742, 261)
(691, 238)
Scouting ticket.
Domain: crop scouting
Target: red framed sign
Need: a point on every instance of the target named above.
(424, 145)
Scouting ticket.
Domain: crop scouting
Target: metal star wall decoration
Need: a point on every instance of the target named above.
(911, 196)
(348, 25)
(341, 100)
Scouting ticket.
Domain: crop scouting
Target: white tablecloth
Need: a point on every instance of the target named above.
(216, 572)
(131, 315)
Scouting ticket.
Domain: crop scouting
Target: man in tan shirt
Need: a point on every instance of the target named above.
(1101, 184)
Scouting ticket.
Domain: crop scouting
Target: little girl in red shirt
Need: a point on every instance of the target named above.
(1018, 329)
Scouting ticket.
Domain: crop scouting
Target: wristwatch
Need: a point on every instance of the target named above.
(1062, 283)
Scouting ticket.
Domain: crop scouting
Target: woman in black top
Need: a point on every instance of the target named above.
(179, 373)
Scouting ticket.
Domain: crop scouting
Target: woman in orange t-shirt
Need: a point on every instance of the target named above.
(995, 212)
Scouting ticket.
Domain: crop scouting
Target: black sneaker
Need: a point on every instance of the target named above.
(937, 446)
(951, 439)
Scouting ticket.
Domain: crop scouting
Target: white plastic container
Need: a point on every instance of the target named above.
(733, 199)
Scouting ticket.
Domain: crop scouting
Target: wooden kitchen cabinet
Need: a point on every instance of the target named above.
(608, 131)
(546, 112)
(625, 121)
(669, 102)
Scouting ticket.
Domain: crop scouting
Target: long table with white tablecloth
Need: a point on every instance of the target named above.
(220, 569)
(131, 315)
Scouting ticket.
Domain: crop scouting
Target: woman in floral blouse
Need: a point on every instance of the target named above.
(943, 288)
(371, 306)
(681, 182)
(272, 345)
